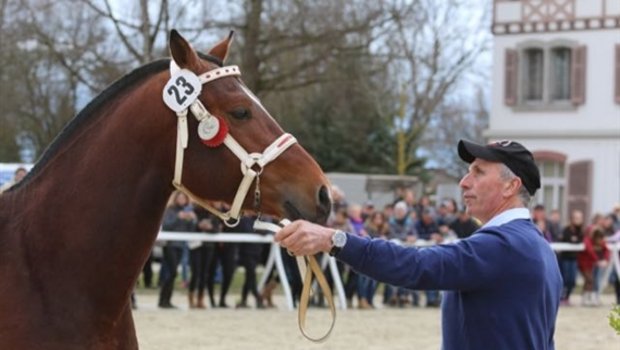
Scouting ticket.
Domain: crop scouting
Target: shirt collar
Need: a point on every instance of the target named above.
(507, 216)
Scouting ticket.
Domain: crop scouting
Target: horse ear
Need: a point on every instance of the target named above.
(182, 52)
(220, 50)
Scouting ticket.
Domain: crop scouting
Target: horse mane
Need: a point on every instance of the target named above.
(88, 113)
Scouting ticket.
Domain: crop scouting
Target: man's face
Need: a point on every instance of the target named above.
(427, 218)
(577, 217)
(538, 214)
(19, 175)
(482, 189)
(400, 213)
(355, 211)
(608, 222)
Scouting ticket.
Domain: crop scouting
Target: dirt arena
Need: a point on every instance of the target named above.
(578, 328)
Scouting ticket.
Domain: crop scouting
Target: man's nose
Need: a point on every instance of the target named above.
(464, 183)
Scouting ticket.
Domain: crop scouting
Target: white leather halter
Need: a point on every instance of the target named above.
(252, 164)
(181, 94)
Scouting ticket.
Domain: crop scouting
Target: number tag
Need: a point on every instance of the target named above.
(182, 90)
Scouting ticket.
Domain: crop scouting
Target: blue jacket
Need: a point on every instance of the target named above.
(502, 284)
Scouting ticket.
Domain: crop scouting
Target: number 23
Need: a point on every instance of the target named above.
(173, 90)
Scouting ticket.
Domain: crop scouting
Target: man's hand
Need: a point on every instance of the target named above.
(305, 238)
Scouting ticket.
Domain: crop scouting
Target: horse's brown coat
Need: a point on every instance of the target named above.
(76, 232)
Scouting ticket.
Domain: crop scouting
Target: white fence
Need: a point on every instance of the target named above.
(275, 257)
(274, 260)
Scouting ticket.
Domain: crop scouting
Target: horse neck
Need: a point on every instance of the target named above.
(95, 208)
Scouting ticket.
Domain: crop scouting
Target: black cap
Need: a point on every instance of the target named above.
(516, 157)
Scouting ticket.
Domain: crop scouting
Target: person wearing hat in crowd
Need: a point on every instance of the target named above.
(501, 285)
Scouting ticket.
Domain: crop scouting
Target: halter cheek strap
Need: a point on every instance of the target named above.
(252, 164)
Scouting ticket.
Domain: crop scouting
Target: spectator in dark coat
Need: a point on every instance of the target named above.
(464, 225)
(249, 256)
(180, 217)
(201, 256)
(428, 229)
(539, 216)
(573, 233)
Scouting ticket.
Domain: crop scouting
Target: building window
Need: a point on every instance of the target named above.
(533, 80)
(545, 75)
(553, 183)
(552, 166)
(560, 73)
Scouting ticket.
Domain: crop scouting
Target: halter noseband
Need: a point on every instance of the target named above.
(180, 94)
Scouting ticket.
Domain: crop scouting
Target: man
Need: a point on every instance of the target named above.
(464, 226)
(427, 229)
(502, 285)
(402, 227)
(616, 217)
(555, 224)
(539, 217)
(19, 174)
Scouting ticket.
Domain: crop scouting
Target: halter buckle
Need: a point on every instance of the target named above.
(252, 160)
(230, 221)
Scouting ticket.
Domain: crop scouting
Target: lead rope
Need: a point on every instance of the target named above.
(308, 267)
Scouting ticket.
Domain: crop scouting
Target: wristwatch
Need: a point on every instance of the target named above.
(339, 239)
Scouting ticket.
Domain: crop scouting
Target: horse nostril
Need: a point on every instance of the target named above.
(325, 201)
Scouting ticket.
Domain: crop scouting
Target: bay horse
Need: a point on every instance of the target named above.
(75, 233)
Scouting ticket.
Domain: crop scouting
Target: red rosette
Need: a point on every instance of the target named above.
(218, 139)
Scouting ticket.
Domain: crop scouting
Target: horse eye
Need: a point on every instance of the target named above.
(241, 113)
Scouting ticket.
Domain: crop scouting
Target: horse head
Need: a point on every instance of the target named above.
(231, 148)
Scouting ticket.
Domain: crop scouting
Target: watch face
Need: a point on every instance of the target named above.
(340, 238)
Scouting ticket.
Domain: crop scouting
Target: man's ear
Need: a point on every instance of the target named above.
(512, 186)
(182, 52)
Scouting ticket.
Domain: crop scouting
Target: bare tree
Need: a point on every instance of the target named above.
(434, 45)
(9, 149)
(137, 33)
(465, 117)
(48, 65)
(336, 72)
(287, 45)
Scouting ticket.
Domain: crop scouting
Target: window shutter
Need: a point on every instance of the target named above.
(617, 75)
(580, 187)
(510, 77)
(578, 75)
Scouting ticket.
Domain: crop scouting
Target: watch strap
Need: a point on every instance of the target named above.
(335, 250)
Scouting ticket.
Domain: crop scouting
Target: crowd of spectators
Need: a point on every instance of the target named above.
(406, 220)
(593, 260)
(203, 264)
